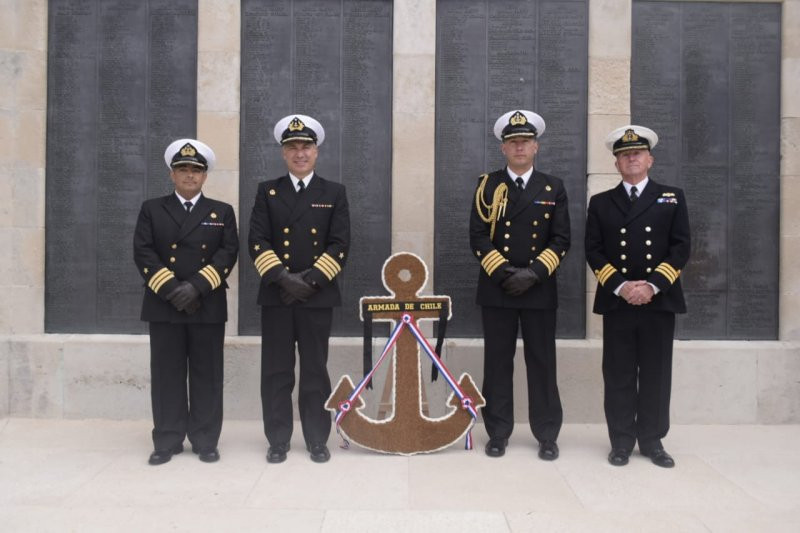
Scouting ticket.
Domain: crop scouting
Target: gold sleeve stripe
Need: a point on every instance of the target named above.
(266, 261)
(667, 270)
(211, 276)
(549, 258)
(328, 266)
(160, 278)
(492, 261)
(604, 273)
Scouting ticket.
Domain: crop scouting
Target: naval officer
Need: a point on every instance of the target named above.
(299, 240)
(637, 243)
(519, 232)
(184, 246)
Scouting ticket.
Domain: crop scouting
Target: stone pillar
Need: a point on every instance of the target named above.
(789, 309)
(609, 108)
(413, 128)
(218, 112)
(23, 103)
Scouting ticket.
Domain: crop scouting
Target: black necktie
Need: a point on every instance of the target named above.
(634, 194)
(188, 205)
(300, 187)
(520, 183)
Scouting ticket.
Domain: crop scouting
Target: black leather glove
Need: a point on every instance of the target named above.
(193, 306)
(295, 286)
(520, 281)
(184, 295)
(286, 298)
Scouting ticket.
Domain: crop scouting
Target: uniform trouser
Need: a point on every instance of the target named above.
(637, 373)
(500, 326)
(174, 349)
(281, 329)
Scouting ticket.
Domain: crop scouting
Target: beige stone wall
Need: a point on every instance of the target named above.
(74, 375)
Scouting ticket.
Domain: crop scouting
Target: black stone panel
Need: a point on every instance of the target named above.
(332, 61)
(122, 80)
(706, 78)
(492, 57)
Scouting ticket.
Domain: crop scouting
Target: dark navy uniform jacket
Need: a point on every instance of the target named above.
(645, 240)
(309, 231)
(171, 245)
(533, 232)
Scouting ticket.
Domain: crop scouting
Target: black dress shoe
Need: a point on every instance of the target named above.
(207, 455)
(496, 447)
(660, 457)
(319, 453)
(159, 457)
(618, 456)
(277, 453)
(548, 450)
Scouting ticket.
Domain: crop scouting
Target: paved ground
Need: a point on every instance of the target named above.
(92, 475)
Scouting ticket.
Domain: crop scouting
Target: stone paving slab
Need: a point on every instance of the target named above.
(92, 475)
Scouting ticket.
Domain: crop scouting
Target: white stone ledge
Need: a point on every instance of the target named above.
(107, 376)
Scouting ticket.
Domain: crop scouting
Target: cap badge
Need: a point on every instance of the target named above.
(518, 119)
(630, 136)
(188, 150)
(296, 125)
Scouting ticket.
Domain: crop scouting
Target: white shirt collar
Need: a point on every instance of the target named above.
(525, 177)
(296, 180)
(193, 200)
(639, 186)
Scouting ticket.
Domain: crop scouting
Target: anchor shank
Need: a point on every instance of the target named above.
(407, 397)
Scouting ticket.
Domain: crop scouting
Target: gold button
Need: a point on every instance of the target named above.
(622, 230)
(624, 270)
(649, 256)
(623, 257)
(478, 253)
(286, 256)
(533, 248)
(226, 271)
(174, 246)
(530, 262)
(505, 248)
(648, 242)
(315, 243)
(507, 236)
(171, 259)
(286, 243)
(202, 259)
(313, 231)
(535, 222)
(535, 235)
(203, 246)
(508, 223)
(547, 215)
(286, 230)
(647, 228)
(622, 243)
(548, 188)
(649, 270)
(316, 257)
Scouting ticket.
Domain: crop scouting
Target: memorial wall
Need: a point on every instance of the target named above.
(706, 77)
(122, 84)
(332, 61)
(492, 57)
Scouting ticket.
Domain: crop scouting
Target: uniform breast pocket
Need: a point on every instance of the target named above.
(212, 233)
